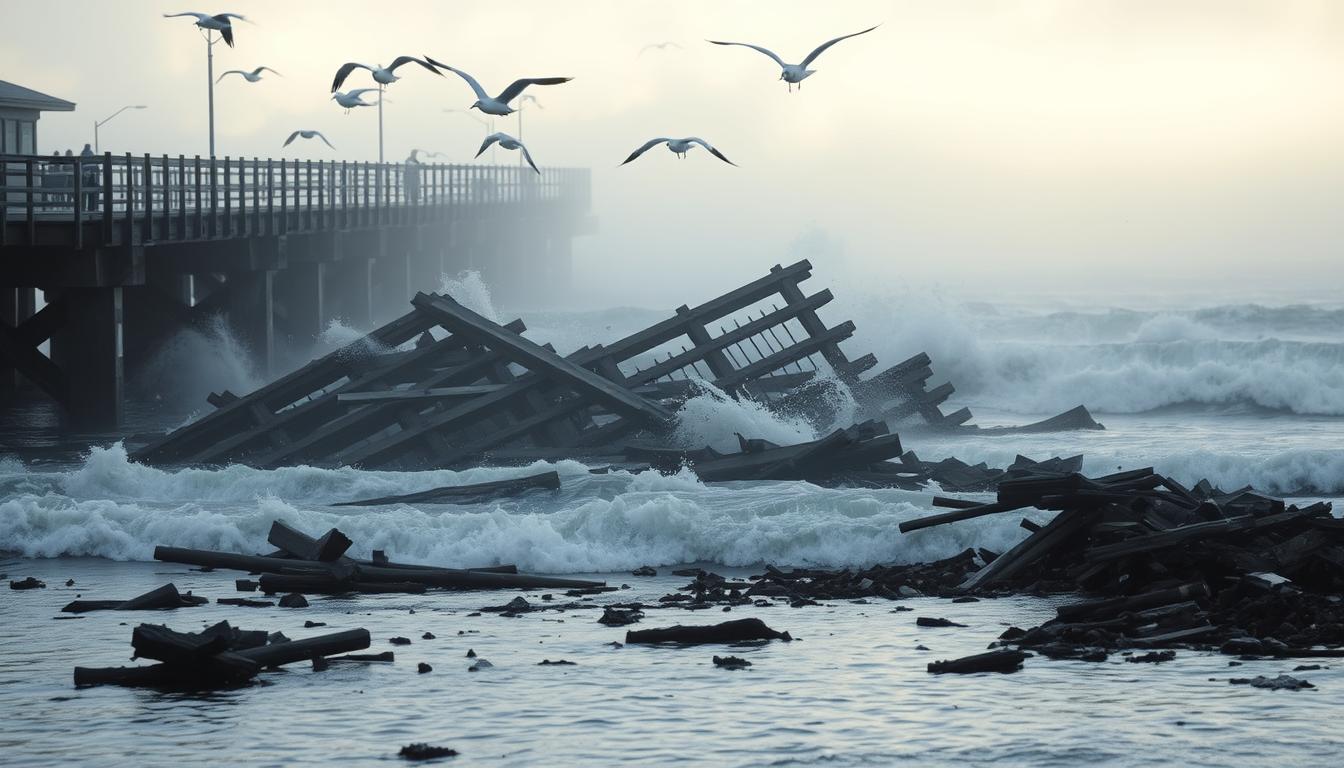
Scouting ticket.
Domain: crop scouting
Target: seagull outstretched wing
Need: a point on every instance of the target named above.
(711, 149)
(471, 81)
(259, 70)
(408, 59)
(344, 72)
(517, 86)
(198, 16)
(811, 57)
(291, 138)
(491, 139)
(319, 135)
(766, 51)
(230, 72)
(528, 157)
(651, 143)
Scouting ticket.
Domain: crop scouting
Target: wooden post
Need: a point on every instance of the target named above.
(284, 199)
(128, 226)
(200, 221)
(147, 229)
(270, 198)
(29, 195)
(107, 198)
(78, 179)
(255, 228)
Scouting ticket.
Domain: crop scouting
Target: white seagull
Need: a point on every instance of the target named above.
(307, 135)
(678, 147)
(381, 75)
(795, 74)
(508, 142)
(352, 99)
(220, 22)
(251, 77)
(659, 46)
(499, 105)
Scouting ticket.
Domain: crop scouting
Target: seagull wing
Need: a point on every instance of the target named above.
(291, 138)
(227, 34)
(198, 16)
(230, 72)
(344, 72)
(811, 57)
(766, 51)
(259, 70)
(647, 146)
(711, 149)
(528, 157)
(224, 17)
(491, 139)
(408, 59)
(319, 135)
(517, 86)
(475, 86)
(358, 93)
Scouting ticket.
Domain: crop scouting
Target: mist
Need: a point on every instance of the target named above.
(1121, 153)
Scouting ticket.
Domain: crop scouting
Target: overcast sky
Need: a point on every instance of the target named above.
(1032, 145)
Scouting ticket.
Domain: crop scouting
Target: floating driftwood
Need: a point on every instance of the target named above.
(466, 494)
(343, 574)
(218, 656)
(738, 631)
(162, 598)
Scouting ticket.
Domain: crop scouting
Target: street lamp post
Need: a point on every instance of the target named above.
(210, 84)
(98, 123)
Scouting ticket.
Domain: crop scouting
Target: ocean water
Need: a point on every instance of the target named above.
(1239, 394)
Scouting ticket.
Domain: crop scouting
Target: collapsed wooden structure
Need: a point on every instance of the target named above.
(444, 386)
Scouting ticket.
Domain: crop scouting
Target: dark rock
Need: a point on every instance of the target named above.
(726, 632)
(925, 621)
(427, 636)
(1280, 683)
(69, 582)
(422, 668)
(245, 585)
(556, 663)
(471, 654)
(28, 583)
(645, 570)
(615, 617)
(1306, 667)
(1152, 657)
(479, 664)
(993, 661)
(422, 751)
(293, 600)
(399, 640)
(731, 662)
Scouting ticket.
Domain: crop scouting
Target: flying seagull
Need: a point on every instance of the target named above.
(352, 99)
(381, 75)
(659, 46)
(678, 147)
(220, 22)
(250, 77)
(499, 105)
(415, 154)
(307, 135)
(797, 73)
(508, 142)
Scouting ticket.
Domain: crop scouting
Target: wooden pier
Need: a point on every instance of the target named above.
(128, 250)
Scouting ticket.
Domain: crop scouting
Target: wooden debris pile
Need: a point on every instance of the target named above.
(444, 386)
(304, 564)
(219, 656)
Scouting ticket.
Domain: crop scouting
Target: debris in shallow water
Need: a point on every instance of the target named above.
(471, 654)
(479, 664)
(399, 640)
(645, 570)
(615, 617)
(726, 632)
(422, 751)
(1306, 667)
(293, 600)
(427, 636)
(1280, 683)
(385, 656)
(245, 585)
(244, 602)
(731, 662)
(162, 598)
(422, 668)
(28, 583)
(556, 663)
(926, 621)
(993, 661)
(1152, 657)
(311, 624)
(69, 582)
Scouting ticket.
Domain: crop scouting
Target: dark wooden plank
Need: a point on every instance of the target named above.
(465, 494)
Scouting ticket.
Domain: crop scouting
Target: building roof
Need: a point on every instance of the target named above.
(18, 97)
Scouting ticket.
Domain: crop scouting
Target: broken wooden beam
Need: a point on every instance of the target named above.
(465, 494)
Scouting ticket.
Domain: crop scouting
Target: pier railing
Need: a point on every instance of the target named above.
(117, 199)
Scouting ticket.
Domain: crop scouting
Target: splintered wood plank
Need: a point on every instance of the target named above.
(458, 319)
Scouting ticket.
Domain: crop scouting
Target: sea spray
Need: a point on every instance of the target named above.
(710, 417)
(469, 289)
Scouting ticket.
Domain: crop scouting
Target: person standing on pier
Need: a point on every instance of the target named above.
(89, 171)
(411, 178)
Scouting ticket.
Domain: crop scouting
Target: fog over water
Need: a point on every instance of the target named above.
(1134, 153)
